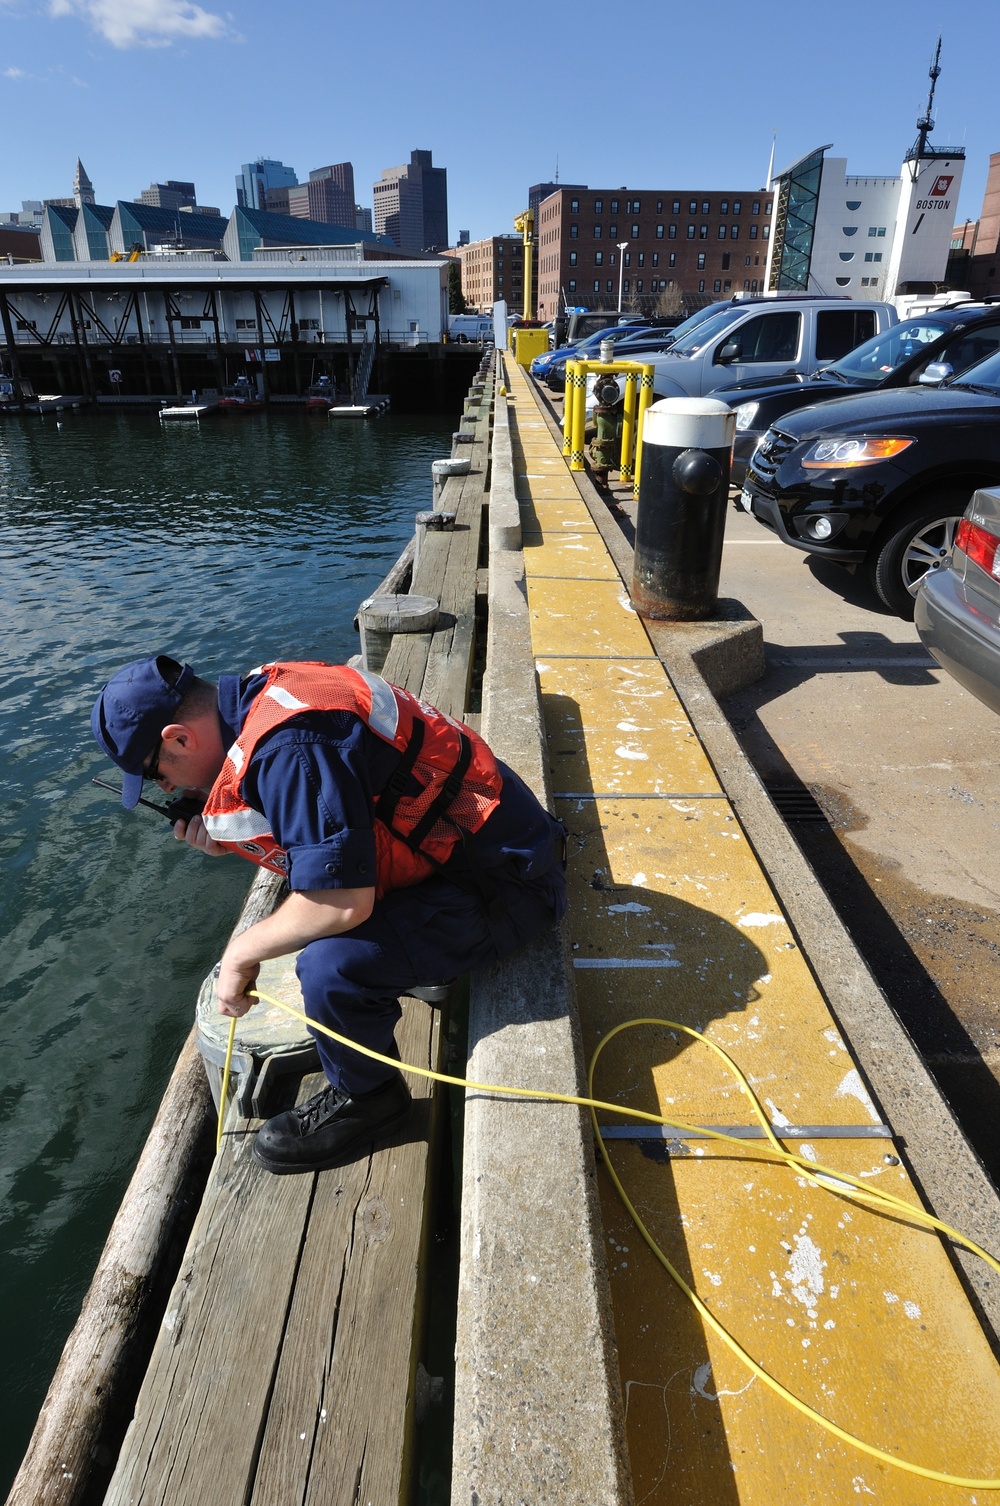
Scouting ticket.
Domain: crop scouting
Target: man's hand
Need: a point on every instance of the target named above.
(235, 978)
(305, 916)
(195, 834)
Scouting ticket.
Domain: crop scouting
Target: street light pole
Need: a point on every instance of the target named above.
(622, 248)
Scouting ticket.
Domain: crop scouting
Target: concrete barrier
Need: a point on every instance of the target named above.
(538, 1408)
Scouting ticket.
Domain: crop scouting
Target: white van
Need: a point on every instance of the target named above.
(463, 328)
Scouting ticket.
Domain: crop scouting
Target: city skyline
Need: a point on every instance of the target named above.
(85, 72)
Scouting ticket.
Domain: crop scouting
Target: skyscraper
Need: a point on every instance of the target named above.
(411, 204)
(328, 196)
(256, 178)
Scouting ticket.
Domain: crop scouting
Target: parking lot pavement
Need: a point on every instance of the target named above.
(903, 763)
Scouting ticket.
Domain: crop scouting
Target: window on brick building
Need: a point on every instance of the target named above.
(638, 284)
(722, 232)
(753, 232)
(693, 206)
(703, 232)
(635, 232)
(598, 258)
(755, 207)
(659, 232)
(656, 258)
(659, 206)
(574, 231)
(614, 206)
(725, 261)
(574, 206)
(571, 285)
(572, 258)
(672, 259)
(597, 232)
(737, 205)
(691, 232)
(625, 285)
(598, 206)
(642, 258)
(612, 232)
(717, 285)
(701, 261)
(675, 207)
(701, 286)
(672, 233)
(734, 232)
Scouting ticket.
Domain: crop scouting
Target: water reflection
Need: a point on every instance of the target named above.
(243, 538)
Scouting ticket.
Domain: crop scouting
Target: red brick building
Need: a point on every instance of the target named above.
(491, 270)
(593, 241)
(974, 261)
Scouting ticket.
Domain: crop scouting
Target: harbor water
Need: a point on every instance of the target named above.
(245, 538)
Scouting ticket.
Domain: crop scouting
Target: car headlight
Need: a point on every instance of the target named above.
(836, 454)
(745, 415)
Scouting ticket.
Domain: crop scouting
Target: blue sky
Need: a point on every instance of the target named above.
(685, 96)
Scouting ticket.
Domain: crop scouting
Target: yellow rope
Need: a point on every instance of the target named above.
(845, 1185)
(225, 1084)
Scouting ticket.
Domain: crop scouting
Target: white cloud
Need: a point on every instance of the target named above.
(14, 73)
(145, 23)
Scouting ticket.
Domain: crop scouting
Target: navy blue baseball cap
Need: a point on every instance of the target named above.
(131, 712)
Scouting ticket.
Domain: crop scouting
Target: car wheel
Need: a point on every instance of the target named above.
(915, 542)
(461, 339)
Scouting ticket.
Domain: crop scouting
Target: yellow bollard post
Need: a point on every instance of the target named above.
(628, 426)
(645, 398)
(569, 389)
(578, 431)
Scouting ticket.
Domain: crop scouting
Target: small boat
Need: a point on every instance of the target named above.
(322, 395)
(241, 397)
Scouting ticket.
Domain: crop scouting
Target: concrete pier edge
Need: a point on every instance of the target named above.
(538, 1406)
(706, 660)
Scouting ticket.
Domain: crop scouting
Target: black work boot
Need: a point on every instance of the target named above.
(325, 1129)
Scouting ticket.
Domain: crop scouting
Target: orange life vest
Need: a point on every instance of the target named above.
(414, 833)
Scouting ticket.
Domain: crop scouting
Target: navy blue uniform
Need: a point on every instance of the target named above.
(316, 779)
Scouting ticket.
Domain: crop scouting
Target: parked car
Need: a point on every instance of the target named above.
(924, 350)
(958, 607)
(551, 364)
(879, 483)
(775, 339)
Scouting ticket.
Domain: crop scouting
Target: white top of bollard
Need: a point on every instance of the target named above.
(688, 423)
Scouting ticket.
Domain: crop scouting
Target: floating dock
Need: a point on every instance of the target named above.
(188, 410)
(287, 1366)
(370, 408)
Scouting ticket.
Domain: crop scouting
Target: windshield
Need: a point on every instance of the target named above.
(986, 374)
(873, 361)
(687, 344)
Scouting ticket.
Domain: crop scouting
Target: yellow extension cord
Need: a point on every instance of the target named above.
(821, 1176)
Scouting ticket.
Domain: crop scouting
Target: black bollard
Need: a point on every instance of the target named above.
(681, 518)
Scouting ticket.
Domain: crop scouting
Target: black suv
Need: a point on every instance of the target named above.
(879, 483)
(921, 351)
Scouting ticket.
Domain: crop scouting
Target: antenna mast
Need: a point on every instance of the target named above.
(925, 123)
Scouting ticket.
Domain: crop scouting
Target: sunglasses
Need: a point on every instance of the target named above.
(152, 769)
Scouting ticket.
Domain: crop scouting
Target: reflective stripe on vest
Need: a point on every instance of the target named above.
(393, 714)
